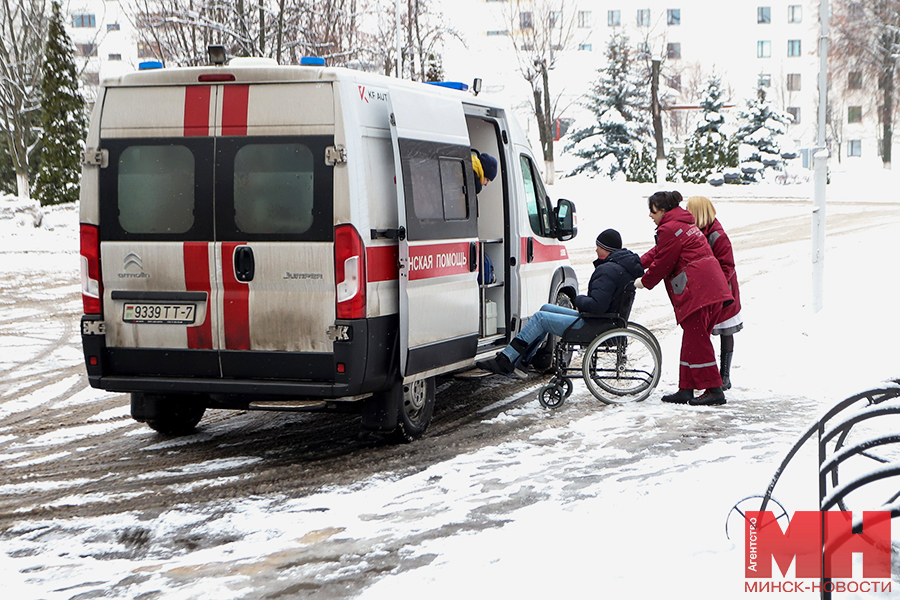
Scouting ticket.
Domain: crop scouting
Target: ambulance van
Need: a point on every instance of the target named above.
(264, 237)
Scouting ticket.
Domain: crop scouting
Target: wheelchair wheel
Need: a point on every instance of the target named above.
(552, 396)
(648, 334)
(621, 366)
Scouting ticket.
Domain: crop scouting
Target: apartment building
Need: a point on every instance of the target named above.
(772, 43)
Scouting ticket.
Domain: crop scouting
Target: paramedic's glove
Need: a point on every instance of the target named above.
(639, 284)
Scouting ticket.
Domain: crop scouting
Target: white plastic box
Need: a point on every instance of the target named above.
(490, 318)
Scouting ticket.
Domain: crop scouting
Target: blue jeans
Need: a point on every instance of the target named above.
(550, 319)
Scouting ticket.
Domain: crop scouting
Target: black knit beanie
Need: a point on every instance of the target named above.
(610, 240)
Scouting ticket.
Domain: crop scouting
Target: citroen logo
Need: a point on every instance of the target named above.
(133, 259)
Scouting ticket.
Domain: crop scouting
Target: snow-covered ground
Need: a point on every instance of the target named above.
(619, 502)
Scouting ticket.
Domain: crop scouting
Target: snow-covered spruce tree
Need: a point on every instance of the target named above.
(642, 164)
(619, 103)
(758, 136)
(62, 117)
(707, 150)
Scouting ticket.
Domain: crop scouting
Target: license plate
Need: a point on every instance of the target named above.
(166, 314)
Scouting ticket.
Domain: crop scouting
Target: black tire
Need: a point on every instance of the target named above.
(416, 409)
(169, 414)
(620, 366)
(543, 359)
(551, 396)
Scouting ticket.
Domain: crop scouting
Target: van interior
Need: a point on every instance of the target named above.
(492, 227)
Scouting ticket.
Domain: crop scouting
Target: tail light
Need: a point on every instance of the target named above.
(349, 273)
(91, 289)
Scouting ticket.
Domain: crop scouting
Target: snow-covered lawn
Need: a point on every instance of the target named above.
(621, 502)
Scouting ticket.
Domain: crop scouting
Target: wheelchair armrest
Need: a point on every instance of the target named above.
(608, 316)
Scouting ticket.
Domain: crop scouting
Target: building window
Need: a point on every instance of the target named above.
(854, 148)
(673, 16)
(114, 57)
(764, 14)
(643, 17)
(764, 80)
(795, 13)
(526, 20)
(145, 50)
(793, 82)
(673, 50)
(555, 19)
(526, 47)
(794, 111)
(86, 49)
(793, 47)
(92, 78)
(584, 18)
(112, 27)
(84, 21)
(854, 114)
(854, 80)
(643, 49)
(498, 32)
(763, 49)
(585, 47)
(613, 18)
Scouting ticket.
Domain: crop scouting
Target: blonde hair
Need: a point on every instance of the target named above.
(703, 210)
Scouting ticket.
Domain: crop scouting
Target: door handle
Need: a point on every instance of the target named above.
(473, 256)
(244, 265)
(529, 250)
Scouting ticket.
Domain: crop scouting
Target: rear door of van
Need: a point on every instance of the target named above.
(217, 230)
(439, 299)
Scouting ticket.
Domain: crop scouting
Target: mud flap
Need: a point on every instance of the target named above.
(144, 407)
(381, 411)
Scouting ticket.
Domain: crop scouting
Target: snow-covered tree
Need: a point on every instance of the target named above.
(708, 149)
(22, 34)
(619, 103)
(760, 136)
(62, 117)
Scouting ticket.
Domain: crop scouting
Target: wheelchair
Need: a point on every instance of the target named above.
(621, 362)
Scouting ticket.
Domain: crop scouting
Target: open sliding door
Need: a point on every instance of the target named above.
(438, 249)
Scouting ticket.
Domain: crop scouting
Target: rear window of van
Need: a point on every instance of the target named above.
(273, 188)
(156, 189)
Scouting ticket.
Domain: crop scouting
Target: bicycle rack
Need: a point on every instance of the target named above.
(832, 431)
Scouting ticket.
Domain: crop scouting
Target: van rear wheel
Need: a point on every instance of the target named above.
(416, 409)
(170, 414)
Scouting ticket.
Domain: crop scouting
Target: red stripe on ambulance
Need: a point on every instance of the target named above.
(438, 260)
(196, 110)
(544, 253)
(382, 263)
(234, 109)
(236, 303)
(196, 279)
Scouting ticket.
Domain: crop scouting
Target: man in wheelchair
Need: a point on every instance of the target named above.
(614, 269)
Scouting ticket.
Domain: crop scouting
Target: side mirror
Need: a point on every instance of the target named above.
(566, 225)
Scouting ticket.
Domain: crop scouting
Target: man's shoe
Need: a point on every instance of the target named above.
(500, 365)
(711, 397)
(679, 397)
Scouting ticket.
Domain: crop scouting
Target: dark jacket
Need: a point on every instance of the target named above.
(608, 281)
(682, 257)
(721, 247)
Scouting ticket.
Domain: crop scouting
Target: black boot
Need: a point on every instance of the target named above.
(500, 364)
(726, 370)
(679, 397)
(711, 397)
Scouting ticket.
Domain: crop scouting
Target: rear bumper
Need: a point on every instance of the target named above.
(364, 361)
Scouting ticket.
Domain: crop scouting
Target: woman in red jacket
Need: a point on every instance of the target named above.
(697, 289)
(730, 321)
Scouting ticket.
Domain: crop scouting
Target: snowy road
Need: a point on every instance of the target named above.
(268, 505)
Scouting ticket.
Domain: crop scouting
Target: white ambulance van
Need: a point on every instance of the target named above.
(269, 237)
